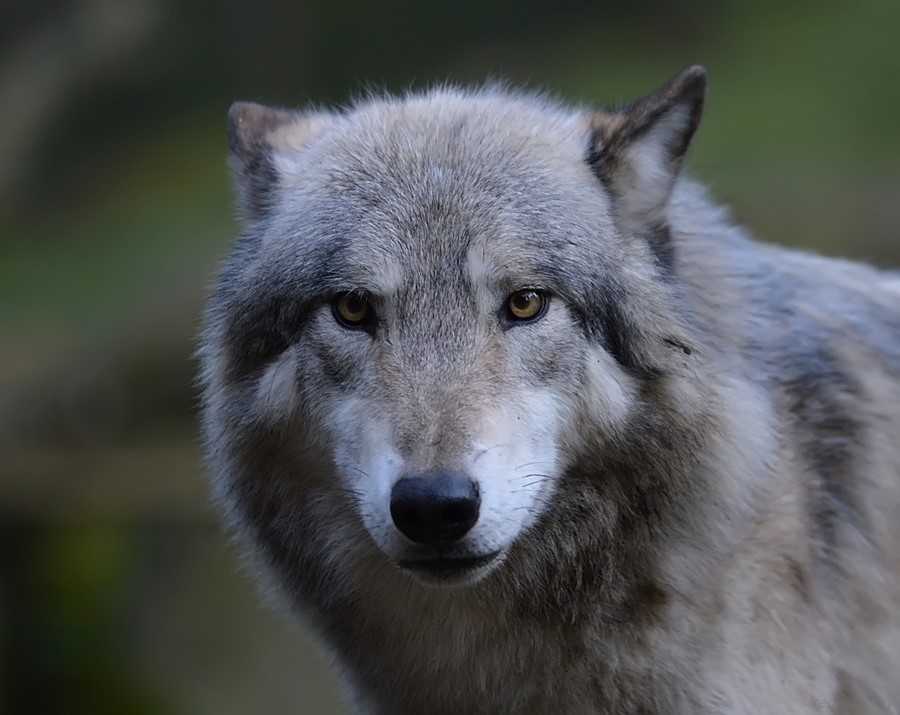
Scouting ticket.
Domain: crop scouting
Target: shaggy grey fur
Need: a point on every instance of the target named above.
(689, 464)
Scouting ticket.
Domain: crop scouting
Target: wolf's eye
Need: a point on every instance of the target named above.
(524, 305)
(352, 310)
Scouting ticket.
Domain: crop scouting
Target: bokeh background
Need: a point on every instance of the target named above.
(118, 592)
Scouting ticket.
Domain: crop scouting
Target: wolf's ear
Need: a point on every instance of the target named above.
(637, 150)
(256, 135)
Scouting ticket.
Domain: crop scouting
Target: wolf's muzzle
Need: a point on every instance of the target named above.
(435, 509)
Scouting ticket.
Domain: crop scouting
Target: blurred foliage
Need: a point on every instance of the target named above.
(66, 596)
(118, 594)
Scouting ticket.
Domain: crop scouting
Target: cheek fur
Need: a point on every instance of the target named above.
(298, 379)
(276, 391)
(608, 391)
(586, 382)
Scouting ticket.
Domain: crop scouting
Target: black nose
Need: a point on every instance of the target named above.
(435, 509)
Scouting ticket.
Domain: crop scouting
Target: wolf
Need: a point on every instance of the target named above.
(518, 421)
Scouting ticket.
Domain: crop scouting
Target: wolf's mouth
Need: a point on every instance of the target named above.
(444, 567)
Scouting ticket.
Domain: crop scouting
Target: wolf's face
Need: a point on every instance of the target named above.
(443, 355)
(438, 307)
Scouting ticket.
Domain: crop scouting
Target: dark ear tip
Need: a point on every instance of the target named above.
(237, 109)
(691, 81)
(250, 113)
(236, 123)
(248, 123)
(697, 72)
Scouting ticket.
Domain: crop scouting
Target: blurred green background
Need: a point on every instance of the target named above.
(118, 592)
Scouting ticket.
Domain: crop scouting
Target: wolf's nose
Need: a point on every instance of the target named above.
(435, 509)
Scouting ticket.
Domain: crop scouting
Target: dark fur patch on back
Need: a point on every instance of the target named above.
(821, 396)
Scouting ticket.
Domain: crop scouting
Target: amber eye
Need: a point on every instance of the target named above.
(352, 309)
(526, 305)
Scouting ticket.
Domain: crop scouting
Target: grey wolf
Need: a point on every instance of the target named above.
(511, 414)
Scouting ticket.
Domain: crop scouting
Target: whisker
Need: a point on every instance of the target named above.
(533, 474)
(528, 464)
(346, 490)
(357, 469)
(488, 449)
(525, 486)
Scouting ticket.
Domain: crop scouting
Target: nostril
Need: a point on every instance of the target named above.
(406, 513)
(435, 509)
(458, 512)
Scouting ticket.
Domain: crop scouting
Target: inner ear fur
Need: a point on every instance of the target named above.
(637, 150)
(256, 133)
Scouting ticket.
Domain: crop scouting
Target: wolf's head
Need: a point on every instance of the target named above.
(440, 307)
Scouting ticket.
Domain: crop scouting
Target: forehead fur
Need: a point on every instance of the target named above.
(443, 122)
(428, 175)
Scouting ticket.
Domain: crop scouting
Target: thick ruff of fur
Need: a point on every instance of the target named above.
(689, 464)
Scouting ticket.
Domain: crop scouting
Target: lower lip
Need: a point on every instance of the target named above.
(448, 567)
